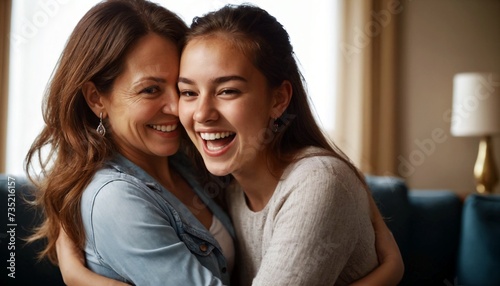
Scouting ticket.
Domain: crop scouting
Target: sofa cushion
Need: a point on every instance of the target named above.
(435, 228)
(479, 251)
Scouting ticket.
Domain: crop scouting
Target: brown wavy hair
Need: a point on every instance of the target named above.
(68, 150)
(266, 43)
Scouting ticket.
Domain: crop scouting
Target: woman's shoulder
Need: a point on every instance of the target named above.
(320, 181)
(112, 192)
(111, 186)
(315, 160)
(317, 171)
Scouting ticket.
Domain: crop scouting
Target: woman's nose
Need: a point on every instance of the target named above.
(205, 109)
(171, 101)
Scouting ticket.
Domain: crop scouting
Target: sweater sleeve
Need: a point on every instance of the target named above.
(315, 227)
(132, 235)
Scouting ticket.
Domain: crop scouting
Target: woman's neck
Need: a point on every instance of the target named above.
(157, 167)
(258, 185)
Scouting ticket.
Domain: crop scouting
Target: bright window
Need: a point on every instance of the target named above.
(40, 29)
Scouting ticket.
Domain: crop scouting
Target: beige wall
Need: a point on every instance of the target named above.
(439, 39)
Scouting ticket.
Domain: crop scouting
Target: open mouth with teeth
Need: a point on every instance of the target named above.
(164, 128)
(217, 141)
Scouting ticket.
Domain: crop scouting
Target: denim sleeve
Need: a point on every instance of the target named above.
(131, 234)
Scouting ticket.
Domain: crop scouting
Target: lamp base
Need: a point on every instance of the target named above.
(485, 170)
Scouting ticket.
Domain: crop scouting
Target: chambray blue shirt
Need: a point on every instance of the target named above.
(140, 233)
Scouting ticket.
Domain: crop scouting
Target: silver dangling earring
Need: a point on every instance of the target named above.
(101, 130)
(275, 126)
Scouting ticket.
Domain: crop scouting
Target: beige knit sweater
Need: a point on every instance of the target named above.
(315, 230)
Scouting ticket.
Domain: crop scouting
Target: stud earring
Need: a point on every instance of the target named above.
(101, 130)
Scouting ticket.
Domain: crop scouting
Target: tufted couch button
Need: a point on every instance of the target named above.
(224, 269)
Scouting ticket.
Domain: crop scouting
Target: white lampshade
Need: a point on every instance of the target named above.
(476, 104)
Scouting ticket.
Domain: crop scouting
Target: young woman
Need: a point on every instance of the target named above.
(299, 207)
(230, 127)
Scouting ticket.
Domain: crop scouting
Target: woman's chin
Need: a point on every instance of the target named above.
(217, 169)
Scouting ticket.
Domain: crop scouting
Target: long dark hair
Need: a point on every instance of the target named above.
(267, 44)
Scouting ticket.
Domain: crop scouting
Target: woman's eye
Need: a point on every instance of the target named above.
(187, 93)
(151, 89)
(229, 92)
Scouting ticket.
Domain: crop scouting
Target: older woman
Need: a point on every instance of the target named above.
(110, 178)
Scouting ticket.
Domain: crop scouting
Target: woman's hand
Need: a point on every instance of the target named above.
(72, 265)
(68, 254)
(391, 268)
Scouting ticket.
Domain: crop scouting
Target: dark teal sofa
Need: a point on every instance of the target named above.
(443, 240)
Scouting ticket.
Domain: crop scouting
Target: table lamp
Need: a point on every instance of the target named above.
(476, 112)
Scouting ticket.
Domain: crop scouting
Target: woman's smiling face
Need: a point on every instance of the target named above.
(225, 105)
(142, 108)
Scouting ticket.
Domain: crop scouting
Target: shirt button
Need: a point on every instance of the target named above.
(203, 247)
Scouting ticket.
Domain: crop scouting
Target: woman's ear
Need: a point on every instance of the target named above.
(281, 98)
(93, 98)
